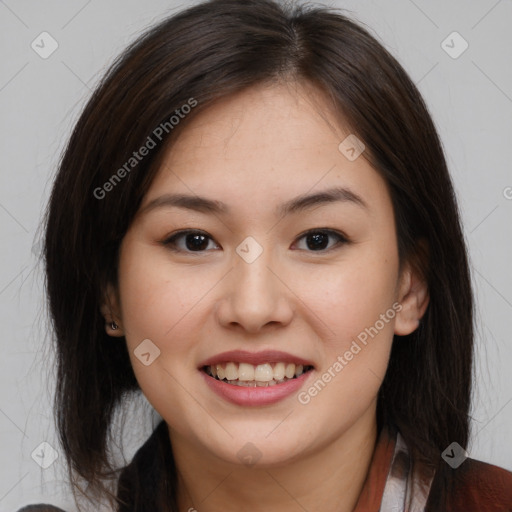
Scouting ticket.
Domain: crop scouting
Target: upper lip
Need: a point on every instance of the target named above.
(255, 358)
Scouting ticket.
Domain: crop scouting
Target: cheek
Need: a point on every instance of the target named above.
(156, 295)
(357, 308)
(158, 305)
(152, 305)
(346, 385)
(353, 296)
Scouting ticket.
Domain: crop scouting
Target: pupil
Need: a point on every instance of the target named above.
(203, 243)
(317, 238)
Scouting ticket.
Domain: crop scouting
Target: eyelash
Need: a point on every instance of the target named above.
(170, 242)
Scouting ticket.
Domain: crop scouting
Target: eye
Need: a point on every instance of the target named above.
(195, 241)
(318, 239)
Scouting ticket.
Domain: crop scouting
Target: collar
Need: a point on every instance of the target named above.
(392, 482)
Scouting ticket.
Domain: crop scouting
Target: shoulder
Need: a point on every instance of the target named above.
(473, 486)
(149, 479)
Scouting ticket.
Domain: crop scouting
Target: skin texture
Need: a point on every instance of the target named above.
(255, 151)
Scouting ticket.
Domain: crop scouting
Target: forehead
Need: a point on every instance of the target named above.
(263, 145)
(276, 118)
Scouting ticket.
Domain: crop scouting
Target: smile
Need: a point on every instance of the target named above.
(261, 375)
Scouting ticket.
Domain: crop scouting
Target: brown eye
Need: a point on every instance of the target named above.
(318, 240)
(194, 241)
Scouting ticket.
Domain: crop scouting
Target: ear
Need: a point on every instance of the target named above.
(111, 311)
(413, 296)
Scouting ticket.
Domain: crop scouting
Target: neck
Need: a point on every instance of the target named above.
(329, 478)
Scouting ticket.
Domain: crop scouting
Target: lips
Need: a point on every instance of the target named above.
(255, 358)
(256, 396)
(255, 378)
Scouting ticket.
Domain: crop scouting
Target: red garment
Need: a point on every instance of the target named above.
(473, 487)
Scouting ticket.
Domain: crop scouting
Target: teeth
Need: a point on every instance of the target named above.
(245, 372)
(279, 371)
(264, 372)
(221, 373)
(262, 375)
(290, 370)
(253, 383)
(231, 371)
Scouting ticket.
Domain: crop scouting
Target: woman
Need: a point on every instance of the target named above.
(253, 224)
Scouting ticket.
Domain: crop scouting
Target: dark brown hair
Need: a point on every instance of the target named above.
(209, 52)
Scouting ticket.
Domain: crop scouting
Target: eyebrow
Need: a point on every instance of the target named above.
(295, 205)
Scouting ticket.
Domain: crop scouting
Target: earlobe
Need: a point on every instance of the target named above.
(414, 299)
(110, 312)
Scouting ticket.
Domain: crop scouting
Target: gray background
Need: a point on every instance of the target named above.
(470, 98)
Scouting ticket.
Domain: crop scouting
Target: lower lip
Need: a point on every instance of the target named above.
(242, 395)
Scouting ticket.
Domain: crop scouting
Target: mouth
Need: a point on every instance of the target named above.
(249, 375)
(251, 379)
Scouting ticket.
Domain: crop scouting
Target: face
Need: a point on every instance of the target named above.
(295, 299)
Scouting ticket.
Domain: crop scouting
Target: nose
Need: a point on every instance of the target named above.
(255, 296)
